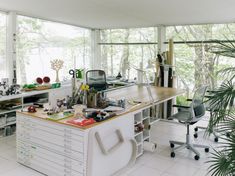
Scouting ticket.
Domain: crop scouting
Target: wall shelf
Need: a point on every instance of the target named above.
(138, 133)
(26, 99)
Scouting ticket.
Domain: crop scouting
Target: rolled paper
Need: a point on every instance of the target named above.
(171, 52)
(150, 146)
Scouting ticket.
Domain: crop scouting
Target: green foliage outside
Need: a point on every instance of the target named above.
(181, 100)
(194, 64)
(40, 41)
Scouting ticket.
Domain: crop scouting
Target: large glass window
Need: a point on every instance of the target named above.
(3, 34)
(123, 49)
(40, 42)
(194, 64)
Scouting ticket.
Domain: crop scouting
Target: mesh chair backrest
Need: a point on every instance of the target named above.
(96, 79)
(197, 102)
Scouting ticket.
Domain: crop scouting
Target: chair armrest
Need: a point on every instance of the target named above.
(180, 106)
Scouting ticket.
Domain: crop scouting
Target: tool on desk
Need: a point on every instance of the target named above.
(103, 116)
(81, 122)
(134, 102)
(32, 109)
(113, 109)
(99, 115)
(59, 116)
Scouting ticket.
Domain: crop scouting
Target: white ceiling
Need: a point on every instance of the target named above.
(126, 13)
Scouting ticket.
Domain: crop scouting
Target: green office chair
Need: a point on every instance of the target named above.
(190, 115)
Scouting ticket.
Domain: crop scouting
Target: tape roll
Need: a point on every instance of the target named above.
(150, 146)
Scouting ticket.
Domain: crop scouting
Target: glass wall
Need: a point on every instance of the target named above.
(194, 63)
(3, 35)
(125, 49)
(122, 50)
(40, 42)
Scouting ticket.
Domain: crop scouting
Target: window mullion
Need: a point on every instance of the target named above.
(161, 39)
(11, 47)
(95, 49)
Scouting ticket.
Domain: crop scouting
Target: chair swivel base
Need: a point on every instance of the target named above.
(189, 146)
(216, 134)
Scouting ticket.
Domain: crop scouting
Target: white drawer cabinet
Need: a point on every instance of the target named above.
(66, 141)
(51, 148)
(61, 150)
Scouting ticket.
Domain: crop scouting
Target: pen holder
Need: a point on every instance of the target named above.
(91, 100)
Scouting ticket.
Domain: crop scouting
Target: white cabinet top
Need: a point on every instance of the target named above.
(30, 93)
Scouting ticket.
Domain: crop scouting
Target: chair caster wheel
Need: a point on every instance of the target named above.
(206, 150)
(172, 154)
(195, 135)
(172, 145)
(216, 139)
(196, 157)
(196, 129)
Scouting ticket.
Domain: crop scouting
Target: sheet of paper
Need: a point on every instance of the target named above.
(113, 108)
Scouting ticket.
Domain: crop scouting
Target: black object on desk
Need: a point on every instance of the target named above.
(100, 116)
(96, 79)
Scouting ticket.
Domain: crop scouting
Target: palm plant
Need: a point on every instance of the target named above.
(223, 116)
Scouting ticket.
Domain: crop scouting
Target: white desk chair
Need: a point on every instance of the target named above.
(190, 115)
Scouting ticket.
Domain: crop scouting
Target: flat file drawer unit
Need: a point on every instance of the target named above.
(51, 148)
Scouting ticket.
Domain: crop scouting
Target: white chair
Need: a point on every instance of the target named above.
(190, 115)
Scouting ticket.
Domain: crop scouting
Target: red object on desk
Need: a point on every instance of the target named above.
(81, 122)
(32, 109)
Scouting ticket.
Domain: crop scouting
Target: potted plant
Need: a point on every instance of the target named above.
(222, 162)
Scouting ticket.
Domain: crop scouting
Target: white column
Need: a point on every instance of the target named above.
(161, 38)
(11, 46)
(95, 49)
(161, 49)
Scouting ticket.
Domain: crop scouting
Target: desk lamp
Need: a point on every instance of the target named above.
(147, 81)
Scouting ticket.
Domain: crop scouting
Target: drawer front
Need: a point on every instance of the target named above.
(56, 126)
(51, 172)
(65, 150)
(26, 154)
(22, 151)
(46, 167)
(61, 160)
(25, 132)
(55, 129)
(63, 141)
(68, 138)
(50, 148)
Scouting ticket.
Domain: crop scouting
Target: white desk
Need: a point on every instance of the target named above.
(61, 149)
